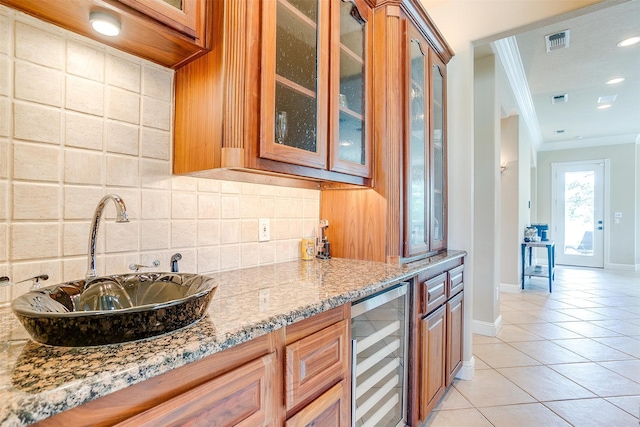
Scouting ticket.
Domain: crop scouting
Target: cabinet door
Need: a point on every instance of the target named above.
(432, 376)
(455, 319)
(351, 41)
(438, 163)
(185, 16)
(242, 397)
(315, 363)
(416, 159)
(295, 70)
(434, 293)
(329, 410)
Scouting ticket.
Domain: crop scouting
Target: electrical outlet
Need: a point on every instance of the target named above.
(264, 231)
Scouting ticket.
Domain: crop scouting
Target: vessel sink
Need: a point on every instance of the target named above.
(114, 309)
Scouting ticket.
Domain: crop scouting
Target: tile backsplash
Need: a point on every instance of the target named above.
(79, 120)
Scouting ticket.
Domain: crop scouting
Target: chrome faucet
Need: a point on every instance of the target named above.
(121, 216)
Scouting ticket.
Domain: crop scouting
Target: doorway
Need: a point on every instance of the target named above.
(578, 213)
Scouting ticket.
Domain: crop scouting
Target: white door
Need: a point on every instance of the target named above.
(579, 213)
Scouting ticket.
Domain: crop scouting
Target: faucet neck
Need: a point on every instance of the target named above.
(121, 216)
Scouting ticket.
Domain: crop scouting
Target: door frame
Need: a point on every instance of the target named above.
(605, 200)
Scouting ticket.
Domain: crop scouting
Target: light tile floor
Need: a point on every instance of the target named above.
(570, 358)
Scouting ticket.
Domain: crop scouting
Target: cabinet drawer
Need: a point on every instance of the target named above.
(456, 281)
(330, 409)
(242, 397)
(434, 293)
(315, 363)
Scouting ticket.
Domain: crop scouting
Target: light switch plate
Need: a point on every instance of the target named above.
(264, 230)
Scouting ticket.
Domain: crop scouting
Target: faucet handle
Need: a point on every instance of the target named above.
(136, 267)
(36, 280)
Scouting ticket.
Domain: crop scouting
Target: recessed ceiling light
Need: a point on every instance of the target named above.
(614, 81)
(629, 41)
(104, 23)
(604, 106)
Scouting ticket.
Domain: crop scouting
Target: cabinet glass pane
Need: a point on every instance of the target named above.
(417, 197)
(352, 80)
(296, 74)
(175, 3)
(438, 155)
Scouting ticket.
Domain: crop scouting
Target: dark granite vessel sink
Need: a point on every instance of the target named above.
(113, 309)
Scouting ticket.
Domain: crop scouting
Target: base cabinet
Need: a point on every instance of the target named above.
(455, 314)
(433, 380)
(331, 409)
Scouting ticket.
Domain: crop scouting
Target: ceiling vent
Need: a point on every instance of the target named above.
(556, 41)
(560, 99)
(607, 98)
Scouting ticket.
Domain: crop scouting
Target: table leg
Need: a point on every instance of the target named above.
(550, 265)
(523, 250)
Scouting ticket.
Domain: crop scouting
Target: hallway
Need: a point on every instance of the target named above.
(570, 358)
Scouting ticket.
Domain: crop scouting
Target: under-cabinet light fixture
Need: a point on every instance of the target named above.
(104, 23)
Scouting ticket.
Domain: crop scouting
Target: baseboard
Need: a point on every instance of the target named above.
(468, 369)
(623, 267)
(509, 288)
(487, 328)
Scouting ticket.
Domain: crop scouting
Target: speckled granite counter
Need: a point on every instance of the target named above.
(38, 381)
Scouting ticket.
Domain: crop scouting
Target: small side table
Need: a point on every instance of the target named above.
(530, 270)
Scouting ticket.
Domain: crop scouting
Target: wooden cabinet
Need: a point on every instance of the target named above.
(403, 217)
(317, 370)
(440, 343)
(168, 32)
(433, 378)
(288, 92)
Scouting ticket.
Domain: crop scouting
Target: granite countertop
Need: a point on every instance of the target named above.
(38, 381)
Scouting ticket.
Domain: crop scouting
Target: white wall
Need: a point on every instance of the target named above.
(463, 22)
(510, 235)
(79, 120)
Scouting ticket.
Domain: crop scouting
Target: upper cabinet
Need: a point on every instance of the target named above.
(438, 153)
(296, 91)
(168, 32)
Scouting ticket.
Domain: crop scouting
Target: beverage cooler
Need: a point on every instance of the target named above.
(379, 326)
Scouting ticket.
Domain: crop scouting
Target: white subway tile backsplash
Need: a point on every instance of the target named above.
(114, 136)
(154, 235)
(208, 233)
(123, 74)
(80, 202)
(35, 201)
(36, 162)
(5, 108)
(123, 138)
(123, 105)
(122, 171)
(32, 240)
(155, 174)
(5, 34)
(156, 113)
(183, 234)
(209, 259)
(184, 206)
(155, 205)
(38, 84)
(84, 61)
(38, 46)
(229, 206)
(82, 167)
(75, 238)
(208, 206)
(230, 232)
(249, 231)
(250, 255)
(83, 95)
(4, 158)
(83, 131)
(5, 67)
(157, 83)
(229, 257)
(33, 122)
(121, 237)
(156, 144)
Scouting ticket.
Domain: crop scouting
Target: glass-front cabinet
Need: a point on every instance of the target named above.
(425, 200)
(314, 84)
(438, 163)
(185, 16)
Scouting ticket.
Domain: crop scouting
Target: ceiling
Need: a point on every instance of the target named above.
(581, 70)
